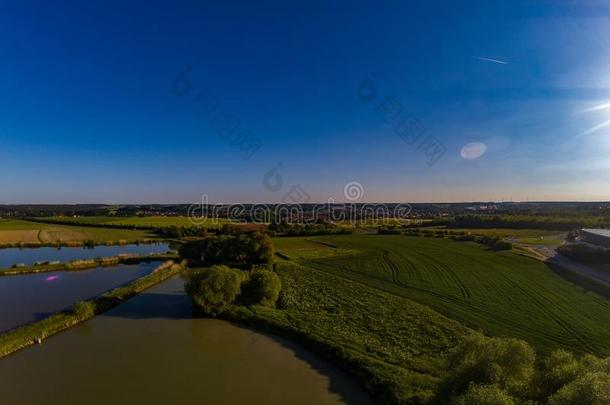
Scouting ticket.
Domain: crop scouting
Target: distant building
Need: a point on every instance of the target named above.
(600, 237)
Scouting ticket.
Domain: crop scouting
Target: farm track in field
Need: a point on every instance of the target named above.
(545, 307)
(450, 301)
(466, 294)
(499, 293)
(393, 269)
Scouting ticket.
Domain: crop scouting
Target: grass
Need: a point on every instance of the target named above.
(303, 247)
(393, 346)
(19, 231)
(155, 221)
(499, 293)
(29, 334)
(500, 232)
(551, 240)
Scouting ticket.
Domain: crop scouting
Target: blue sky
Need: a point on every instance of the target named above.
(88, 111)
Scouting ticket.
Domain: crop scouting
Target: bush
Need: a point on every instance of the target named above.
(84, 309)
(506, 363)
(214, 289)
(591, 388)
(558, 369)
(262, 288)
(484, 395)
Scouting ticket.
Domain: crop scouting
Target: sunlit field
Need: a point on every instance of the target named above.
(500, 293)
(154, 221)
(19, 231)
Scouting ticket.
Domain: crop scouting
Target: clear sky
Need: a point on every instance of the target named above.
(125, 102)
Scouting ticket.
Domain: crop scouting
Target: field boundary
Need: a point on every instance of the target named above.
(84, 264)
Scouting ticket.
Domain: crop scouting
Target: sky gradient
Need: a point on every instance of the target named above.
(94, 106)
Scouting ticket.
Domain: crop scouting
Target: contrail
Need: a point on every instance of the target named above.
(492, 60)
(597, 108)
(595, 129)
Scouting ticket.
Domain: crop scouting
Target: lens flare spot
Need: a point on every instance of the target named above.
(51, 278)
(473, 150)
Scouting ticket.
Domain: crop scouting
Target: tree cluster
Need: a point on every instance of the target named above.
(241, 250)
(316, 229)
(215, 289)
(498, 371)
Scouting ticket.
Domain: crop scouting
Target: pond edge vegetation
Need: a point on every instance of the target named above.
(32, 333)
(84, 264)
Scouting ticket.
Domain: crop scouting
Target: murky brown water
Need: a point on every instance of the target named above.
(150, 351)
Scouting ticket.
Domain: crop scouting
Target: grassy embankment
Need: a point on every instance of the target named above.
(83, 264)
(393, 346)
(21, 233)
(32, 333)
(498, 293)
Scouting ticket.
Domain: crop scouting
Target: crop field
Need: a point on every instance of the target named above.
(142, 221)
(499, 293)
(302, 247)
(17, 231)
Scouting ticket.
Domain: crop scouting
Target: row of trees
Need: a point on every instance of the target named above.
(240, 250)
(493, 242)
(499, 371)
(550, 222)
(321, 228)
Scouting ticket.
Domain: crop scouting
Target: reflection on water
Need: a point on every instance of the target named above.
(149, 350)
(29, 256)
(29, 297)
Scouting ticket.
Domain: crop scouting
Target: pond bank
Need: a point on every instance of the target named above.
(51, 324)
(150, 350)
(84, 264)
(30, 255)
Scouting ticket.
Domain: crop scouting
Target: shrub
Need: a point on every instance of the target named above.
(591, 388)
(262, 288)
(214, 289)
(484, 395)
(84, 309)
(506, 363)
(558, 369)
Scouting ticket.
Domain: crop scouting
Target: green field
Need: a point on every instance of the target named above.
(303, 247)
(19, 231)
(157, 221)
(394, 346)
(500, 232)
(499, 293)
(550, 240)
